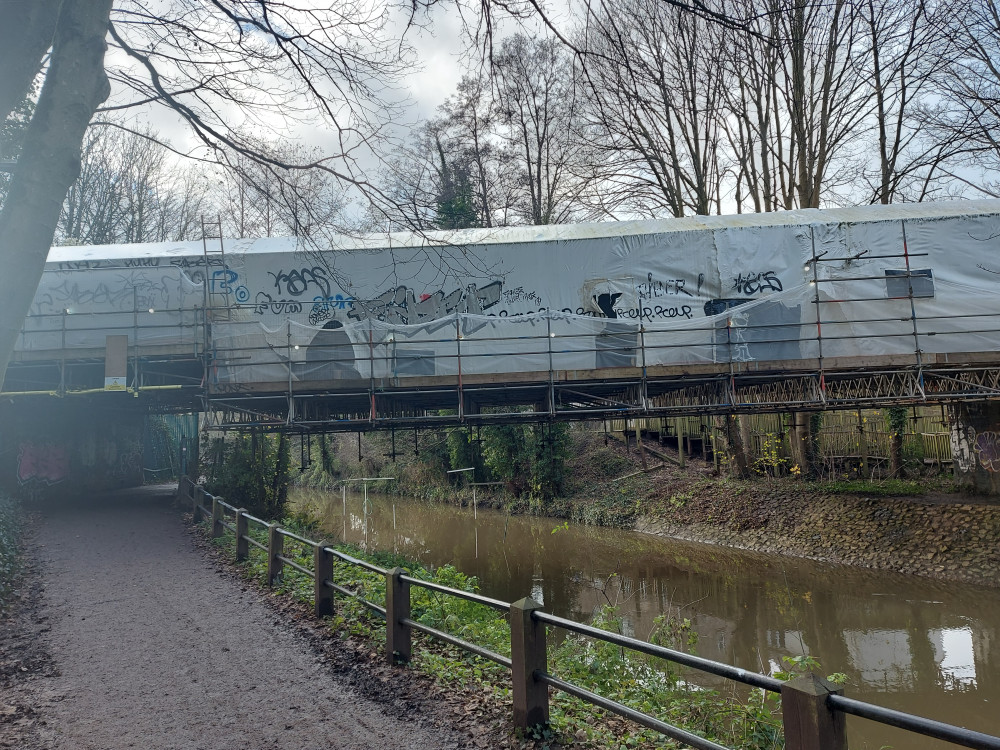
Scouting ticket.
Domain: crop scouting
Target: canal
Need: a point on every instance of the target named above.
(904, 642)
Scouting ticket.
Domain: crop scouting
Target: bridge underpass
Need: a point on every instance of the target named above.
(855, 308)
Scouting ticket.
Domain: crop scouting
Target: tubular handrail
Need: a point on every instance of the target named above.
(493, 656)
(917, 724)
(532, 616)
(459, 594)
(719, 669)
(354, 561)
(676, 733)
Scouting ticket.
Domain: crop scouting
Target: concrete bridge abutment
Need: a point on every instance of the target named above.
(975, 445)
(63, 446)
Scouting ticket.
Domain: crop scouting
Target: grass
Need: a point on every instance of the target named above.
(880, 488)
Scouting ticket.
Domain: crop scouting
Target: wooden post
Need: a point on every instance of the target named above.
(808, 723)
(398, 642)
(196, 513)
(528, 656)
(323, 572)
(217, 528)
(242, 531)
(275, 548)
(863, 444)
(679, 427)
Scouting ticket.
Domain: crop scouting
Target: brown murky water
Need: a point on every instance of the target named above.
(904, 642)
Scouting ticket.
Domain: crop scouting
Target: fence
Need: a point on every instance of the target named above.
(813, 710)
(856, 442)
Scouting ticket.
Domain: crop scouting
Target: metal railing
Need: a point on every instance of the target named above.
(813, 710)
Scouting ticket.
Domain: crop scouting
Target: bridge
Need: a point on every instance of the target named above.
(802, 310)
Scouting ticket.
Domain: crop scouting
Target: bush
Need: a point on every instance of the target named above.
(251, 470)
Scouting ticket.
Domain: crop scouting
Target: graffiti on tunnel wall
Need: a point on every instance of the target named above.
(987, 448)
(42, 462)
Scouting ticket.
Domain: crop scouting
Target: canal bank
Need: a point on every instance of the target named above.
(912, 643)
(940, 533)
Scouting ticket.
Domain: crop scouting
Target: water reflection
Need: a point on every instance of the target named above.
(903, 642)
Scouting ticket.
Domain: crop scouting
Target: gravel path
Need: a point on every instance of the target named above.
(152, 646)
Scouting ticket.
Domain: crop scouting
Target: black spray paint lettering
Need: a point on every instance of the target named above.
(656, 312)
(265, 302)
(753, 283)
(399, 305)
(297, 282)
(188, 262)
(652, 289)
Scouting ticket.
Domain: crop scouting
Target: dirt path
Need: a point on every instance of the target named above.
(151, 645)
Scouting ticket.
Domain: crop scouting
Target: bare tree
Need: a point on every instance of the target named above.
(800, 102)
(458, 153)
(223, 66)
(128, 191)
(968, 114)
(655, 91)
(540, 112)
(263, 198)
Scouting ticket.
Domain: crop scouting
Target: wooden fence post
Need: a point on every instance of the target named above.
(398, 643)
(275, 548)
(216, 518)
(528, 656)
(242, 531)
(196, 512)
(809, 724)
(323, 572)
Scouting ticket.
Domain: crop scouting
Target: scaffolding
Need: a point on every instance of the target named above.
(870, 321)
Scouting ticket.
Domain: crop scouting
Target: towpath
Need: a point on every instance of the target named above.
(148, 644)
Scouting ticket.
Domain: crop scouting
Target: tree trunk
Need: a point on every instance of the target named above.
(800, 442)
(26, 29)
(736, 451)
(75, 86)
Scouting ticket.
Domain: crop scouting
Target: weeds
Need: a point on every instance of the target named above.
(10, 547)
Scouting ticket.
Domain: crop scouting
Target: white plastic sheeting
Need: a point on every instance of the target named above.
(751, 288)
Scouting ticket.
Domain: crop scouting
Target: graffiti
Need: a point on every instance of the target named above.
(754, 283)
(223, 281)
(324, 307)
(192, 261)
(665, 288)
(400, 306)
(141, 262)
(296, 282)
(740, 347)
(962, 444)
(519, 295)
(131, 291)
(987, 448)
(657, 312)
(84, 265)
(44, 462)
(606, 303)
(265, 302)
(127, 466)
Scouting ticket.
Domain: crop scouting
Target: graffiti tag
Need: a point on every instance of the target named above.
(264, 302)
(400, 306)
(754, 283)
(297, 282)
(651, 289)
